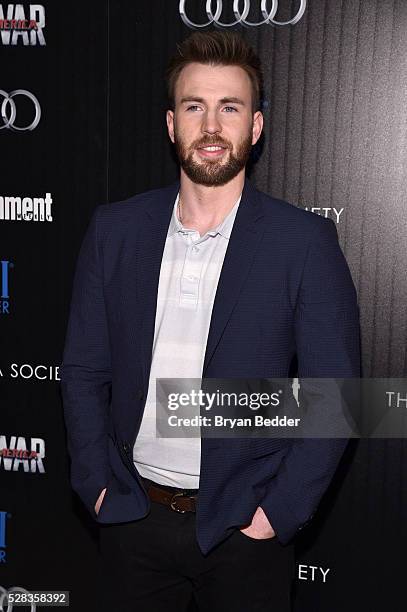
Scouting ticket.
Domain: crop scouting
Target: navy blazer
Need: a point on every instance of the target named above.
(285, 296)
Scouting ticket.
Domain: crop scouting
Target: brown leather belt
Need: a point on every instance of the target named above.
(179, 501)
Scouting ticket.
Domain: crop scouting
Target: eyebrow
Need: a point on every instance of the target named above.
(227, 100)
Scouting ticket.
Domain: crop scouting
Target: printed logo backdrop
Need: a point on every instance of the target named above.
(82, 122)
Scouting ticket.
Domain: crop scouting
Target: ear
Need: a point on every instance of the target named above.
(257, 126)
(170, 124)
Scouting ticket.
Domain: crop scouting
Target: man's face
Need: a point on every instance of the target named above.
(213, 108)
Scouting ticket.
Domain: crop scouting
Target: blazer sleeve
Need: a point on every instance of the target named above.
(85, 373)
(328, 346)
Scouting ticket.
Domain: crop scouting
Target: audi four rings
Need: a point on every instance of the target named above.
(241, 16)
(9, 111)
(4, 599)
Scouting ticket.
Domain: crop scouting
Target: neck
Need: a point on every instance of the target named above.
(203, 206)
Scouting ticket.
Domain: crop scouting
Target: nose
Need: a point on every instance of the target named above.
(211, 123)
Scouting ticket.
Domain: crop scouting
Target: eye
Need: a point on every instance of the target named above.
(192, 106)
(231, 108)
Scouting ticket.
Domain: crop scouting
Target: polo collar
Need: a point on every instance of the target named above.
(224, 228)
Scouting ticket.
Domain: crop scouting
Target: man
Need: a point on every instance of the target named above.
(206, 278)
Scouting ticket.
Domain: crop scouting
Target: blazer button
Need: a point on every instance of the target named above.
(126, 447)
(140, 395)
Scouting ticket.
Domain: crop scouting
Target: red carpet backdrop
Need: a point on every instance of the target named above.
(82, 122)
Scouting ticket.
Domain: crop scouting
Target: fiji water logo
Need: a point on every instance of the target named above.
(5, 267)
(3, 534)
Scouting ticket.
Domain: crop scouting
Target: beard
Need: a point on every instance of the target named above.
(213, 172)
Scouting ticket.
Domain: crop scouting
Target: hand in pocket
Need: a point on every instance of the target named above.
(99, 501)
(260, 527)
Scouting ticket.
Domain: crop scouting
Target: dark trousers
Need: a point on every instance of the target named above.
(155, 565)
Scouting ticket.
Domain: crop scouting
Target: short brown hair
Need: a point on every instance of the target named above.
(216, 47)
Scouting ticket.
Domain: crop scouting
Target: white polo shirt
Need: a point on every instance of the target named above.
(189, 275)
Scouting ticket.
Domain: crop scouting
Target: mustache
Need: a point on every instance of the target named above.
(209, 143)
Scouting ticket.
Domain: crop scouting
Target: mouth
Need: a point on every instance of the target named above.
(212, 151)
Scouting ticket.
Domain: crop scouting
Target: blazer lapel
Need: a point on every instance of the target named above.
(152, 241)
(244, 240)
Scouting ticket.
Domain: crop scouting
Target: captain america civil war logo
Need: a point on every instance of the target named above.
(22, 25)
(18, 454)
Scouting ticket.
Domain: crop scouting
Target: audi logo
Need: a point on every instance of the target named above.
(8, 111)
(241, 16)
(4, 599)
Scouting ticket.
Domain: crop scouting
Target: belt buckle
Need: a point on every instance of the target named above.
(173, 502)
